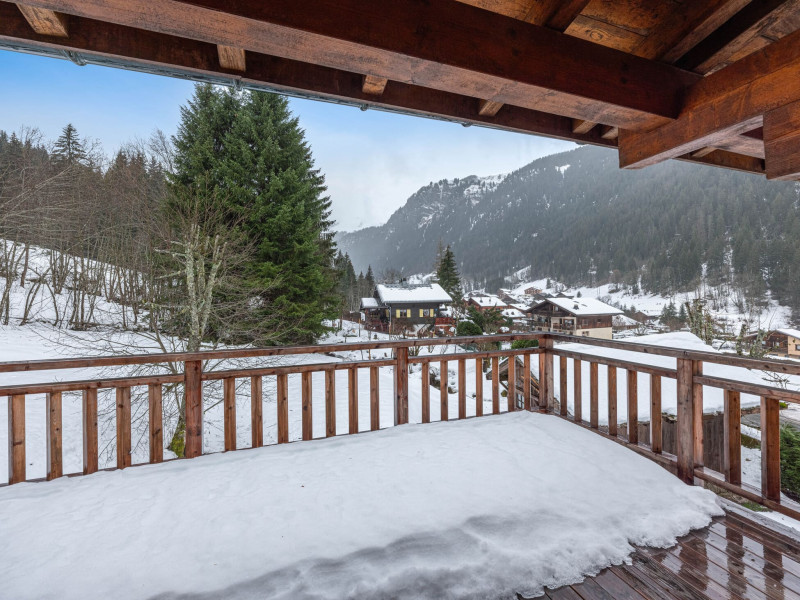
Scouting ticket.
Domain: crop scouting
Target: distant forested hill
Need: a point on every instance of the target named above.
(577, 217)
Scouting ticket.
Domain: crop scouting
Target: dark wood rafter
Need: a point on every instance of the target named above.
(231, 58)
(44, 21)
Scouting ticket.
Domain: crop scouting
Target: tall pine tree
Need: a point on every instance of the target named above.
(448, 275)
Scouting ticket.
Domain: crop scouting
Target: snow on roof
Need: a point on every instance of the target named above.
(583, 306)
(624, 321)
(488, 301)
(405, 293)
(513, 313)
(790, 332)
(369, 303)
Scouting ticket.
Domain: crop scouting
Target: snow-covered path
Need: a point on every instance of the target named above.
(471, 509)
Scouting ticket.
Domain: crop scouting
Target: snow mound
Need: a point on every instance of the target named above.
(471, 509)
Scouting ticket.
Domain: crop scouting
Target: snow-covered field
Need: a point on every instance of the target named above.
(472, 509)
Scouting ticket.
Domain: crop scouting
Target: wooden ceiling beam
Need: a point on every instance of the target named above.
(232, 58)
(445, 45)
(609, 132)
(727, 103)
(487, 108)
(782, 142)
(580, 126)
(44, 21)
(149, 51)
(728, 160)
(733, 35)
(374, 86)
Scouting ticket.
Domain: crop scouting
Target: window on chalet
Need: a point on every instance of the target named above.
(403, 313)
(797, 347)
(426, 312)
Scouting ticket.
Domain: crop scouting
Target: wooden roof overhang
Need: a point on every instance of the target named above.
(710, 81)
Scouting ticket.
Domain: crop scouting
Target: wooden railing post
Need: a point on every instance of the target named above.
(656, 436)
(770, 449)
(562, 376)
(401, 386)
(54, 464)
(545, 375)
(444, 394)
(330, 403)
(612, 401)
(732, 436)
(577, 391)
(352, 399)
(685, 421)
(123, 427)
(495, 385)
(697, 407)
(633, 407)
(16, 439)
(593, 399)
(374, 400)
(193, 400)
(478, 387)
(155, 422)
(462, 389)
(90, 437)
(283, 408)
(229, 417)
(257, 411)
(526, 382)
(305, 399)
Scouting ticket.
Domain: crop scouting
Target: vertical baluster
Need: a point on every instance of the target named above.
(283, 408)
(123, 427)
(155, 422)
(426, 392)
(562, 375)
(656, 436)
(444, 396)
(16, 438)
(732, 438)
(374, 400)
(478, 387)
(306, 401)
(193, 392)
(89, 418)
(512, 383)
(545, 375)
(526, 382)
(54, 444)
(257, 411)
(633, 407)
(495, 385)
(770, 450)
(697, 408)
(352, 398)
(685, 422)
(330, 403)
(462, 389)
(612, 401)
(401, 386)
(229, 419)
(593, 405)
(577, 392)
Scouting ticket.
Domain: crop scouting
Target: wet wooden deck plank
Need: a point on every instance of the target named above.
(732, 558)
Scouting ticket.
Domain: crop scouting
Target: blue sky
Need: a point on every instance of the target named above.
(373, 161)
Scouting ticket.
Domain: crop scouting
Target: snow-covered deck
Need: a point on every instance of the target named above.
(476, 508)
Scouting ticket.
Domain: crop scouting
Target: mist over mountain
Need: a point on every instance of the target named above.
(577, 217)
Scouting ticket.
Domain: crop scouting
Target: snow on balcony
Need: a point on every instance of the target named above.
(477, 508)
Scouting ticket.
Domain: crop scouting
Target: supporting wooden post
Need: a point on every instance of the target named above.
(633, 407)
(478, 387)
(155, 422)
(495, 385)
(770, 449)
(612, 401)
(193, 392)
(562, 363)
(526, 382)
(732, 438)
(374, 400)
(545, 375)
(90, 445)
(330, 403)
(123, 427)
(685, 421)
(352, 399)
(697, 407)
(462, 389)
(229, 418)
(401, 386)
(257, 411)
(55, 466)
(593, 391)
(283, 408)
(426, 393)
(444, 395)
(577, 390)
(512, 383)
(306, 402)
(16, 439)
(656, 436)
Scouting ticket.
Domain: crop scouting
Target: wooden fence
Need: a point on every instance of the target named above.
(687, 463)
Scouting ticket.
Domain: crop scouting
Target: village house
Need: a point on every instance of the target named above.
(587, 317)
(487, 302)
(624, 323)
(404, 306)
(783, 341)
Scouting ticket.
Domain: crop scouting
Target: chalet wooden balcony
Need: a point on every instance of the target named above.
(556, 368)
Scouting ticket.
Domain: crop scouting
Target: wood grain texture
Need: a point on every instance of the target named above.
(257, 411)
(374, 399)
(401, 386)
(562, 375)
(193, 402)
(612, 401)
(155, 423)
(633, 407)
(229, 410)
(307, 405)
(495, 385)
(685, 422)
(123, 427)
(479, 387)
(593, 399)
(770, 449)
(55, 465)
(444, 395)
(656, 439)
(373, 85)
(732, 438)
(697, 409)
(526, 382)
(232, 58)
(283, 409)
(330, 403)
(546, 375)
(512, 384)
(352, 399)
(462, 389)
(45, 22)
(488, 108)
(90, 434)
(426, 393)
(16, 439)
(577, 392)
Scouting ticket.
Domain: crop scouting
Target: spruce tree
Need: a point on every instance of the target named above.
(447, 273)
(68, 149)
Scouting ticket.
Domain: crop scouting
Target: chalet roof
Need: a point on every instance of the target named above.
(369, 303)
(706, 82)
(513, 313)
(624, 321)
(582, 307)
(488, 301)
(403, 293)
(790, 332)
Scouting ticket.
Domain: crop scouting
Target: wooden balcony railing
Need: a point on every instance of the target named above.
(687, 463)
